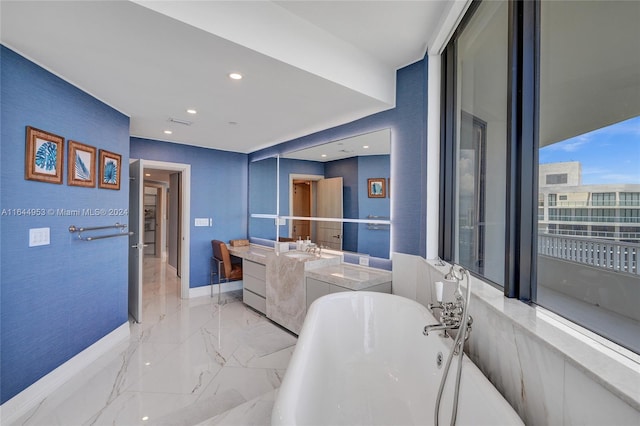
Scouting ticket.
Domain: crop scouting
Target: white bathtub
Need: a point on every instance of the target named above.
(361, 359)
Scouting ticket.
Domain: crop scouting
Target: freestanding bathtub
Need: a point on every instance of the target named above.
(361, 359)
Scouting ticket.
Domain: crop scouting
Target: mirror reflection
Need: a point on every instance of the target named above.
(332, 180)
(262, 197)
(344, 179)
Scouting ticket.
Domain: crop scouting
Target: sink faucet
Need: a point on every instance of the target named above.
(311, 248)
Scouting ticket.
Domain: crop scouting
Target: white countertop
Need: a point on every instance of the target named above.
(349, 276)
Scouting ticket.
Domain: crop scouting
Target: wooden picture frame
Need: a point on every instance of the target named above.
(377, 187)
(81, 164)
(110, 165)
(44, 156)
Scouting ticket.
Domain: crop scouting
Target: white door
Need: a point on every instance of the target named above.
(329, 200)
(136, 240)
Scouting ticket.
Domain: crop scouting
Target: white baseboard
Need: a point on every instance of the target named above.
(20, 404)
(206, 289)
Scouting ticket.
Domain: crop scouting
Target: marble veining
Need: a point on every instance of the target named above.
(351, 277)
(550, 374)
(286, 290)
(191, 360)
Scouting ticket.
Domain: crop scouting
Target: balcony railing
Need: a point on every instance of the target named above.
(611, 255)
(593, 203)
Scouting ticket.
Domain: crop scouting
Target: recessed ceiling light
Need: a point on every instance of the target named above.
(145, 418)
(235, 76)
(168, 132)
(323, 155)
(365, 146)
(192, 111)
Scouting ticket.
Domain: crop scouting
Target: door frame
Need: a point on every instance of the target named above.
(185, 184)
(298, 176)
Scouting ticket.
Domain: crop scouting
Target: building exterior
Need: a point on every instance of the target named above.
(602, 211)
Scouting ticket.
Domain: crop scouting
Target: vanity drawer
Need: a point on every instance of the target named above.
(256, 302)
(258, 286)
(254, 269)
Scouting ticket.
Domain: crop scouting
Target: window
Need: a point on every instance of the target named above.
(603, 199)
(535, 97)
(478, 149)
(584, 118)
(557, 179)
(630, 215)
(630, 199)
(603, 215)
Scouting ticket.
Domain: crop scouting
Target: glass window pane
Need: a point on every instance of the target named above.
(589, 129)
(481, 154)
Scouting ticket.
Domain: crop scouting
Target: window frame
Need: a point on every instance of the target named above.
(522, 149)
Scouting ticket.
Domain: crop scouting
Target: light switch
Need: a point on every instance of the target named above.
(201, 221)
(39, 237)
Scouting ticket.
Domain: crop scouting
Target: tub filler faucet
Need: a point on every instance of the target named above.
(451, 313)
(454, 316)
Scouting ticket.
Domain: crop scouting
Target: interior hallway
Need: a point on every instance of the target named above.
(189, 362)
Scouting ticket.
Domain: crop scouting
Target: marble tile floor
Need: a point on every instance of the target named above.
(189, 362)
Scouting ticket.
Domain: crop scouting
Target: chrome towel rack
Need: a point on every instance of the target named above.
(377, 226)
(80, 230)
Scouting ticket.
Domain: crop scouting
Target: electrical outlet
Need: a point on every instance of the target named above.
(363, 260)
(201, 221)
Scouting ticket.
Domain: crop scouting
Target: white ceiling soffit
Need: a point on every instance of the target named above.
(267, 28)
(304, 70)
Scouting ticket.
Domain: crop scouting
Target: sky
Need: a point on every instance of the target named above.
(607, 155)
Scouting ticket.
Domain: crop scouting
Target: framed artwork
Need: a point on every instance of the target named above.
(377, 187)
(81, 164)
(44, 156)
(110, 164)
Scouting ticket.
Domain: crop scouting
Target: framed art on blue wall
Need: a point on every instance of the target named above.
(81, 167)
(109, 170)
(44, 156)
(377, 187)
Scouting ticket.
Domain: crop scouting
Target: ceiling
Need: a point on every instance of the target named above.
(306, 65)
(373, 143)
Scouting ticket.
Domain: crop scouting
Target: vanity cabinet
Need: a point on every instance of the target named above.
(254, 277)
(317, 288)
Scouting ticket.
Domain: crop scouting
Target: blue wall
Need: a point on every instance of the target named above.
(58, 299)
(219, 181)
(377, 240)
(263, 197)
(408, 124)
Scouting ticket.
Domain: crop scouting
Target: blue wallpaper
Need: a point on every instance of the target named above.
(408, 124)
(57, 299)
(219, 181)
(374, 166)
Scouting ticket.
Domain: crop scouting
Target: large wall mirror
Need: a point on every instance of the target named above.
(263, 201)
(345, 181)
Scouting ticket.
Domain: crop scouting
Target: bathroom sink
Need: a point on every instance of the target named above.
(300, 255)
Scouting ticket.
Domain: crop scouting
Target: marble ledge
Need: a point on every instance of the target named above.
(607, 367)
(253, 252)
(352, 277)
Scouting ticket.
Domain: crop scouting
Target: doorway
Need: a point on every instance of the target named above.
(315, 196)
(301, 207)
(137, 224)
